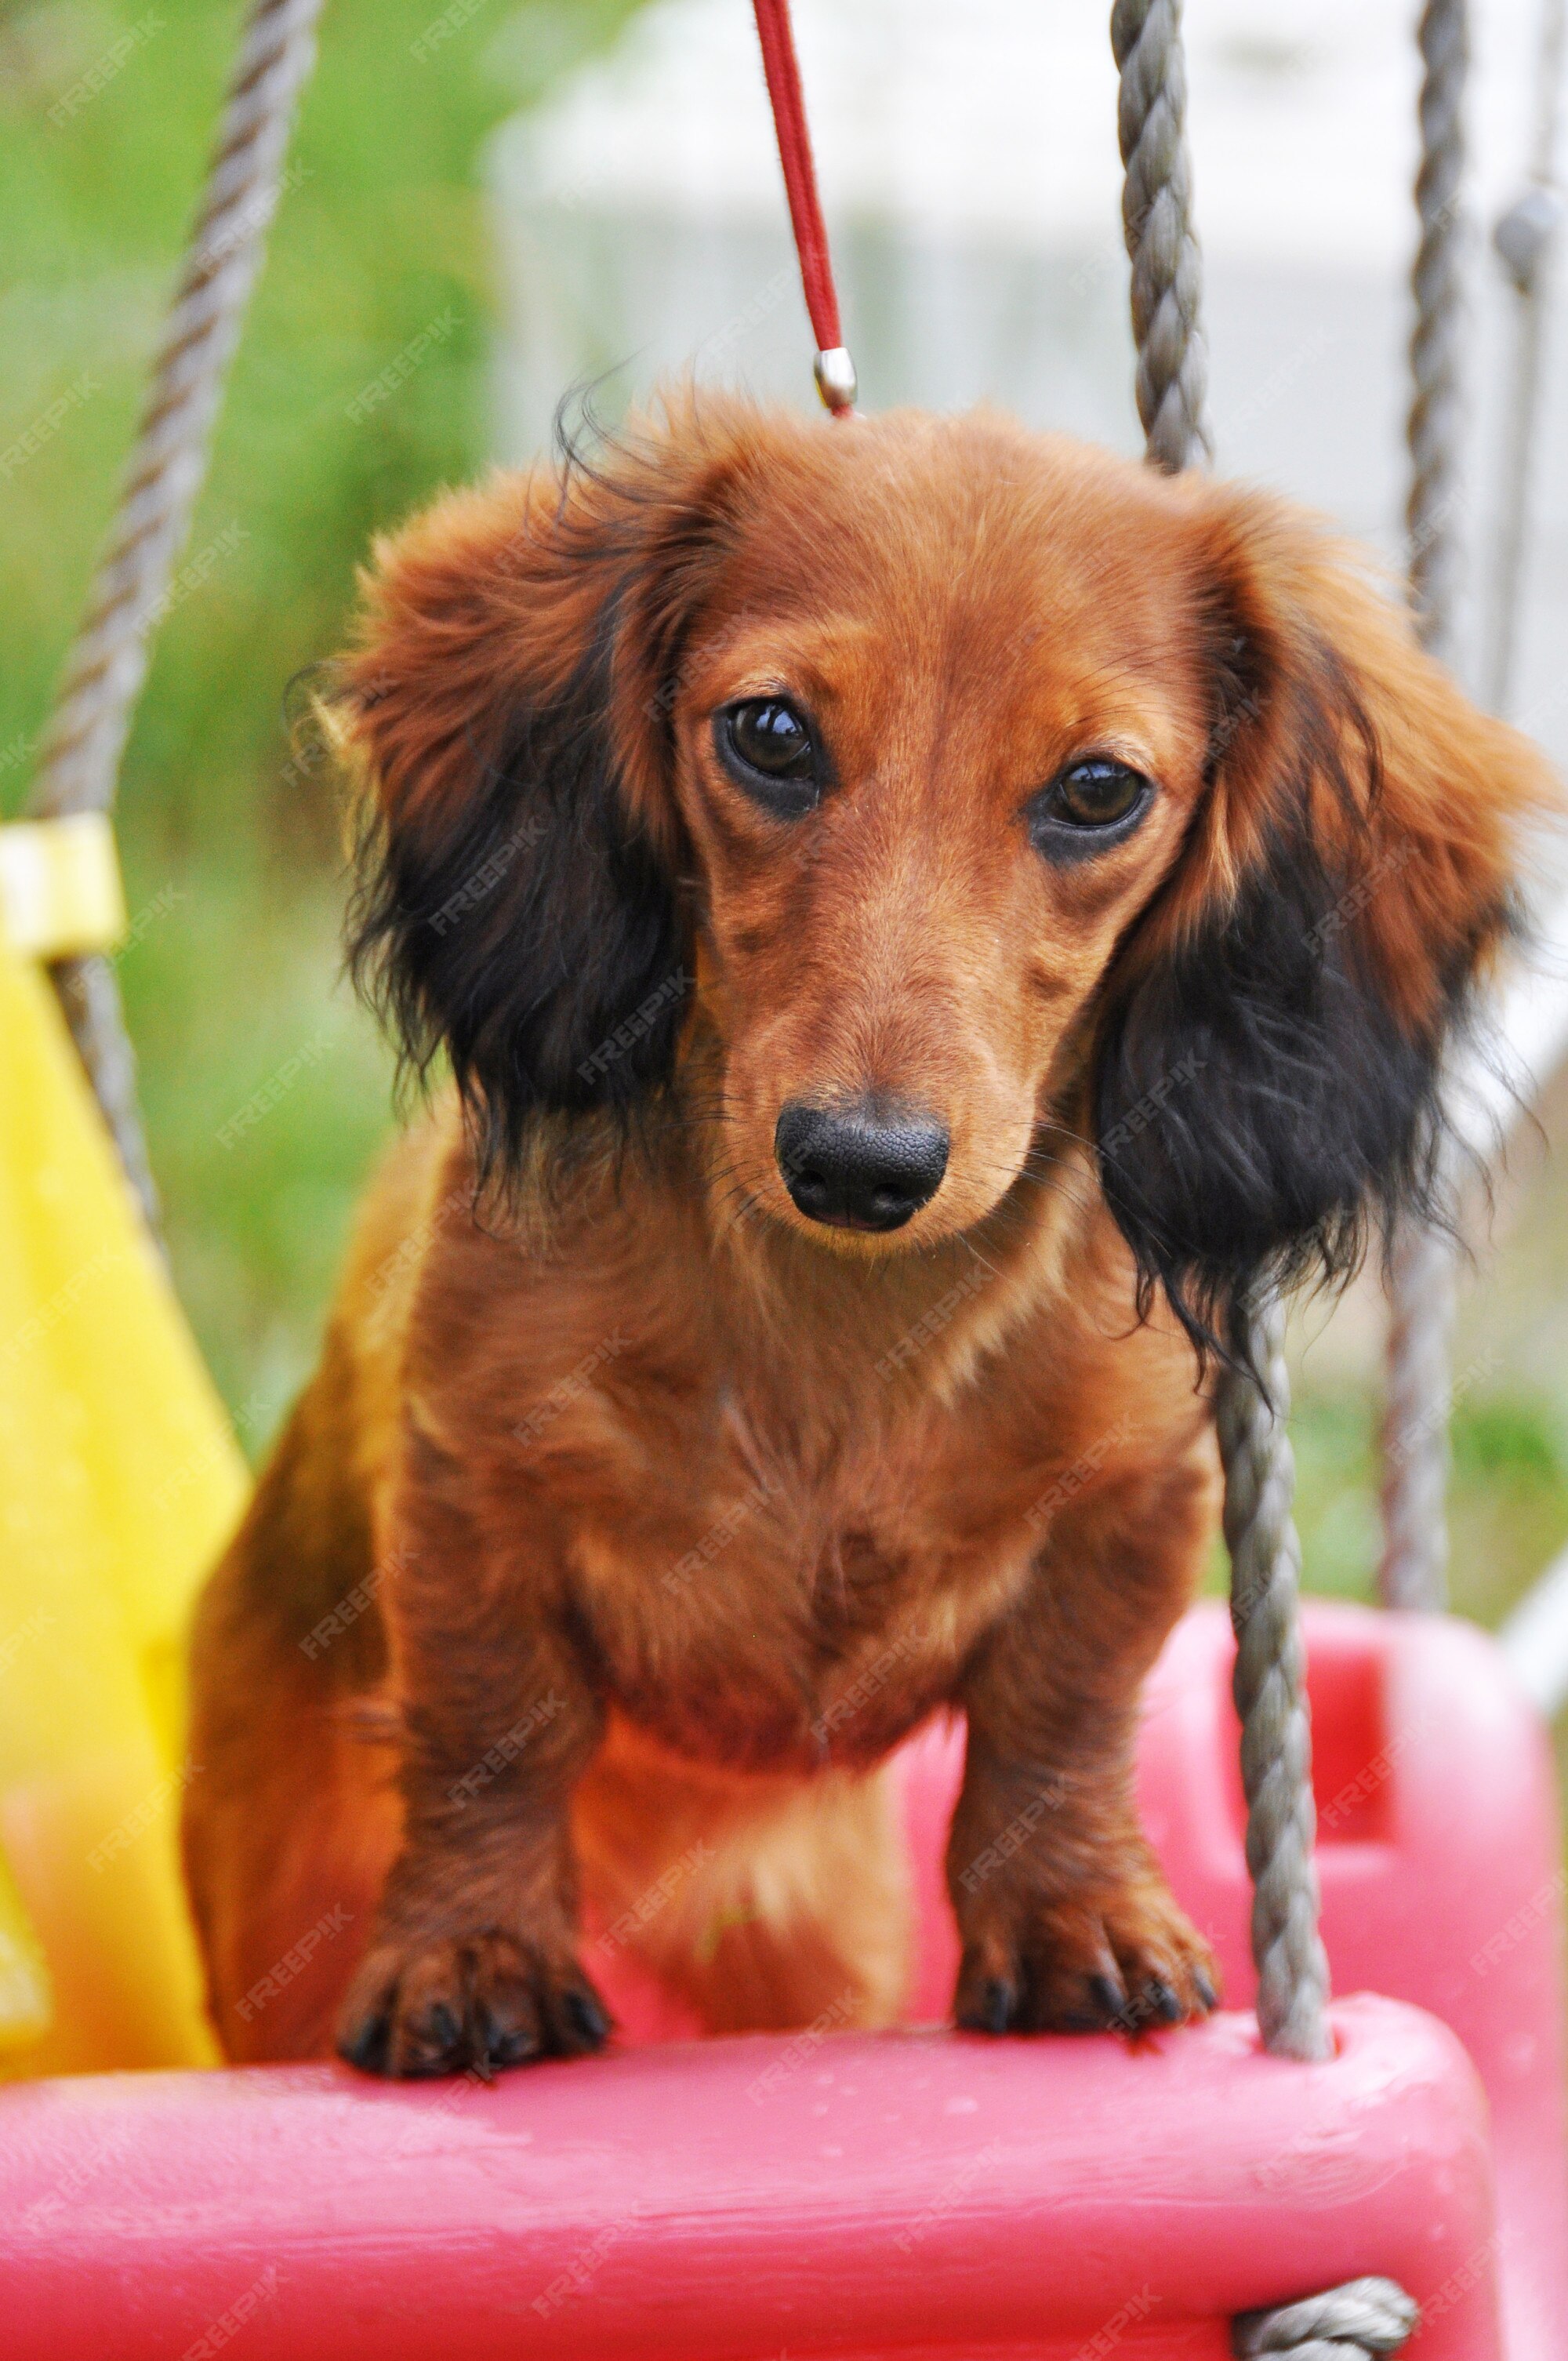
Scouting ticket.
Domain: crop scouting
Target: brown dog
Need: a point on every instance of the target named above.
(921, 917)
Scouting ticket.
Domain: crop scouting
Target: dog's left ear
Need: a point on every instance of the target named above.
(509, 709)
(1266, 1078)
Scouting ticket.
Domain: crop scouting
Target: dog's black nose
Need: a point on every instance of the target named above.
(859, 1168)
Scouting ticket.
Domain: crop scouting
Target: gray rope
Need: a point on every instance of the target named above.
(1413, 1572)
(1368, 2316)
(1156, 220)
(86, 735)
(89, 995)
(1167, 280)
(1269, 1685)
(1352, 2322)
(1415, 1448)
(1435, 422)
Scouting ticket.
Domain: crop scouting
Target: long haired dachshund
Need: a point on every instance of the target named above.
(922, 919)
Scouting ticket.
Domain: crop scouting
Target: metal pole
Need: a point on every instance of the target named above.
(1525, 239)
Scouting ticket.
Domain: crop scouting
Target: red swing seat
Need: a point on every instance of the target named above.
(920, 2194)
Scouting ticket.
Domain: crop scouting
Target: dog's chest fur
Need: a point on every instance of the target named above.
(782, 1527)
(769, 1612)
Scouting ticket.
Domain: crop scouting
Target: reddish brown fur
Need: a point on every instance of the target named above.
(711, 1503)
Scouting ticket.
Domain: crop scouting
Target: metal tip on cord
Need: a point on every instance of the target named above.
(836, 380)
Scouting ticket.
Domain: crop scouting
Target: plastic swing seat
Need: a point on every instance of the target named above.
(119, 1479)
(924, 2194)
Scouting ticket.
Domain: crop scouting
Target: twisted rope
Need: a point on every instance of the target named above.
(1156, 220)
(1435, 419)
(1413, 1572)
(1368, 2316)
(86, 735)
(1414, 1569)
(1268, 1685)
(1260, 1471)
(1352, 2322)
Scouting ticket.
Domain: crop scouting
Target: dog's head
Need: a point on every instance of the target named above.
(950, 791)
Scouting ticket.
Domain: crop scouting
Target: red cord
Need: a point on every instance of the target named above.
(782, 71)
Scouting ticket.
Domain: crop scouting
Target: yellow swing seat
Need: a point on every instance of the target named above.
(119, 1481)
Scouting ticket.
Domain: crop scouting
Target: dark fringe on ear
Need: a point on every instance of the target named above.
(1261, 1109)
(526, 928)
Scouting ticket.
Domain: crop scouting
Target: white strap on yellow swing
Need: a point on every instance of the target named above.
(59, 887)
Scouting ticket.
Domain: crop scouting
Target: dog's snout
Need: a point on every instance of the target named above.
(859, 1167)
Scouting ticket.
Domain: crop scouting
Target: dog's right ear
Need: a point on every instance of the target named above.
(509, 709)
(1269, 1091)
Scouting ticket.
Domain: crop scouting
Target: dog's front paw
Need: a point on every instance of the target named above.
(477, 2001)
(1121, 1957)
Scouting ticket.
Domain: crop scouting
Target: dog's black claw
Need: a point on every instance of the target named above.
(500, 2042)
(1162, 2000)
(1205, 1990)
(586, 2015)
(991, 2011)
(487, 2038)
(1109, 1998)
(438, 2029)
(432, 2044)
(367, 2045)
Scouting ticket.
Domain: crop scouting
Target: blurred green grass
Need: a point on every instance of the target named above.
(230, 850)
(231, 856)
(1508, 1494)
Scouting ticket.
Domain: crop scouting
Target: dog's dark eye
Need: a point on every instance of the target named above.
(1095, 802)
(767, 745)
(1097, 795)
